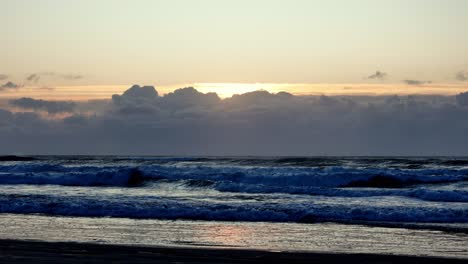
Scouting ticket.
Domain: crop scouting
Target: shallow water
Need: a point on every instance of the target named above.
(323, 237)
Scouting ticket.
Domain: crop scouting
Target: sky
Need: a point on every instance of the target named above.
(172, 44)
(269, 77)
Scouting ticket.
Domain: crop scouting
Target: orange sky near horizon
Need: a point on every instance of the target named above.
(225, 90)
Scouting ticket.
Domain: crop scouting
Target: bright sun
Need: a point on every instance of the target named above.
(229, 89)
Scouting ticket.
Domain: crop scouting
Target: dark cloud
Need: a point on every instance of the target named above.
(136, 100)
(145, 92)
(187, 122)
(189, 97)
(378, 75)
(461, 76)
(33, 78)
(142, 100)
(462, 99)
(51, 107)
(3, 77)
(9, 85)
(5, 118)
(416, 82)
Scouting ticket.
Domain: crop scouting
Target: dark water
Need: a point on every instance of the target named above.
(304, 190)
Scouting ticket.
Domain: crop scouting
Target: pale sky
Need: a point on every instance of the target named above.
(57, 55)
(116, 43)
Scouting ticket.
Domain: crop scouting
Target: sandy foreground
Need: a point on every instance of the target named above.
(17, 251)
(53, 239)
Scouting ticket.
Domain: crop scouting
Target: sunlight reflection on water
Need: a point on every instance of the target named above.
(267, 236)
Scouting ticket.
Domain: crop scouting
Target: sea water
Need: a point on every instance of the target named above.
(293, 195)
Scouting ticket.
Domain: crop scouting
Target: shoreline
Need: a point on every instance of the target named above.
(25, 251)
(317, 238)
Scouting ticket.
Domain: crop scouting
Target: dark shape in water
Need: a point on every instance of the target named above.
(308, 162)
(15, 158)
(136, 178)
(310, 219)
(380, 181)
(200, 183)
(456, 162)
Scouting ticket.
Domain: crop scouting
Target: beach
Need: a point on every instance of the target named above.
(42, 252)
(36, 238)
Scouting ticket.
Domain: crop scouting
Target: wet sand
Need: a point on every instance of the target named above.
(17, 251)
(334, 242)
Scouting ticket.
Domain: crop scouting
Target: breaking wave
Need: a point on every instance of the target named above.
(329, 181)
(269, 176)
(164, 208)
(239, 189)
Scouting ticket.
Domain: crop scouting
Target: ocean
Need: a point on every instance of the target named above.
(351, 204)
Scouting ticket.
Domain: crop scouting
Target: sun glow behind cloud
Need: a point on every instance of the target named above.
(224, 90)
(330, 89)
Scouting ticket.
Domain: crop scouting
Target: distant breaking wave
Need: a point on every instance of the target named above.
(269, 176)
(328, 181)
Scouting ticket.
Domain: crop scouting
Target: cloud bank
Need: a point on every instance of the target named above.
(462, 99)
(187, 122)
